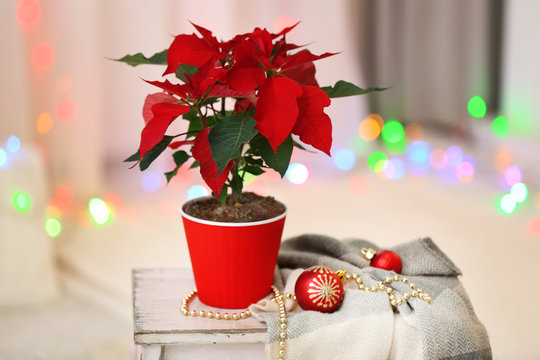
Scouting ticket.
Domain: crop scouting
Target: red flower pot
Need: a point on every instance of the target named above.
(233, 263)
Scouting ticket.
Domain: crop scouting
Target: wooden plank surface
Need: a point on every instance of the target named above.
(157, 296)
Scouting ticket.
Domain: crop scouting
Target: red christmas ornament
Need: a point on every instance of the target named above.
(384, 259)
(319, 288)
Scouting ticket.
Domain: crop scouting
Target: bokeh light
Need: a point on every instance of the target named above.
(454, 156)
(502, 159)
(438, 159)
(3, 157)
(465, 171)
(65, 109)
(53, 210)
(393, 132)
(358, 186)
(500, 126)
(359, 146)
(534, 226)
(283, 21)
(114, 201)
(13, 144)
(377, 161)
(63, 83)
(477, 107)
(414, 132)
(512, 175)
(99, 211)
(507, 204)
(519, 192)
(197, 191)
(395, 169)
(53, 227)
(297, 173)
(44, 123)
(369, 129)
(42, 56)
(21, 201)
(84, 220)
(152, 181)
(344, 159)
(27, 13)
(63, 196)
(418, 152)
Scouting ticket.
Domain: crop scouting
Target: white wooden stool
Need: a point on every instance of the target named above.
(162, 332)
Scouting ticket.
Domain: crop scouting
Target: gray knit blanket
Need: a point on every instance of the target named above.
(366, 326)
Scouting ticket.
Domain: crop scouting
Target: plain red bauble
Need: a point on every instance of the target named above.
(387, 260)
(319, 288)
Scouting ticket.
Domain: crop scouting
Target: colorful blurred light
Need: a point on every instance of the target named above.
(27, 13)
(3, 157)
(21, 201)
(63, 196)
(502, 159)
(369, 129)
(414, 132)
(53, 227)
(519, 192)
(438, 159)
(465, 171)
(418, 152)
(283, 21)
(63, 83)
(393, 132)
(197, 191)
(152, 181)
(454, 156)
(13, 144)
(54, 211)
(358, 186)
(395, 169)
(534, 226)
(477, 107)
(114, 201)
(84, 220)
(44, 123)
(500, 126)
(507, 204)
(359, 146)
(344, 159)
(377, 161)
(297, 173)
(65, 109)
(43, 56)
(512, 175)
(99, 211)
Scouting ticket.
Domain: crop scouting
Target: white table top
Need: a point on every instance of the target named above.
(157, 297)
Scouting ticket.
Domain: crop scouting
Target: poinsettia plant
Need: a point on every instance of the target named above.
(272, 92)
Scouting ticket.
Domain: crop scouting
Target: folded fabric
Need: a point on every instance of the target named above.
(366, 326)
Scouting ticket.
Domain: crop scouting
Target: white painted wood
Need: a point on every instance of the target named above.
(213, 352)
(151, 352)
(157, 296)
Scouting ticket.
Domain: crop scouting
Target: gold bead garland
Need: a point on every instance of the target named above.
(280, 299)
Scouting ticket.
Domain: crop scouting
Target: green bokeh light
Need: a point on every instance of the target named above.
(393, 132)
(359, 146)
(99, 211)
(500, 126)
(377, 161)
(21, 201)
(507, 204)
(519, 192)
(477, 107)
(53, 228)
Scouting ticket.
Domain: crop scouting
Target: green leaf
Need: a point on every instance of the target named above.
(134, 157)
(255, 170)
(195, 122)
(223, 195)
(180, 157)
(194, 165)
(279, 160)
(151, 155)
(237, 184)
(159, 58)
(344, 88)
(252, 161)
(185, 69)
(226, 137)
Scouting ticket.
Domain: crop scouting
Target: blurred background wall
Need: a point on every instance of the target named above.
(74, 219)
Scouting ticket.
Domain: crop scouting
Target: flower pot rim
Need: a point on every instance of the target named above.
(228, 224)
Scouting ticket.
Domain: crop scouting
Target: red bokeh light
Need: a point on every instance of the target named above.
(65, 109)
(27, 13)
(534, 226)
(42, 56)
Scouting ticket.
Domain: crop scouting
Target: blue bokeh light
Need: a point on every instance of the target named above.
(197, 191)
(344, 159)
(297, 173)
(3, 157)
(13, 144)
